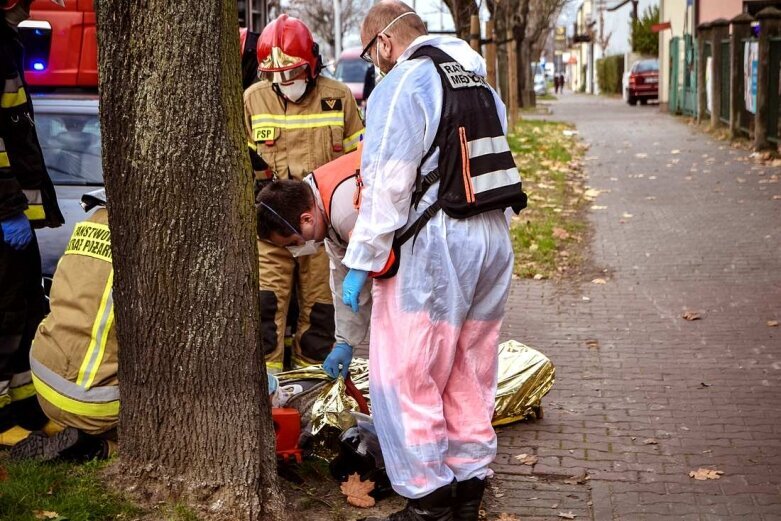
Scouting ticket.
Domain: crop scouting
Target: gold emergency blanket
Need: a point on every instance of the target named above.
(525, 376)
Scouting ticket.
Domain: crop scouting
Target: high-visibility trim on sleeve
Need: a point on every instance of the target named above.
(35, 212)
(351, 143)
(22, 392)
(4, 161)
(13, 98)
(100, 331)
(252, 146)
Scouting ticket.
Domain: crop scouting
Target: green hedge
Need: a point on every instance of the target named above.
(610, 72)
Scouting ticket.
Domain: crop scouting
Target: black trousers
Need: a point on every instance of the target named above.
(22, 307)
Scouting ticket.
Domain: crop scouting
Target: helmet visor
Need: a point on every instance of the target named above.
(283, 76)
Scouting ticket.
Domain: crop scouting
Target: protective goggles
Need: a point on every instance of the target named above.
(283, 76)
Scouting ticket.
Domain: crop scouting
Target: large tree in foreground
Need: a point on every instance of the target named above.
(194, 411)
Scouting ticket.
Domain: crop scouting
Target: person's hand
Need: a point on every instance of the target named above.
(351, 287)
(17, 232)
(340, 355)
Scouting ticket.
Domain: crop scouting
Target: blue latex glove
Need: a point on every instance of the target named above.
(17, 232)
(340, 355)
(351, 287)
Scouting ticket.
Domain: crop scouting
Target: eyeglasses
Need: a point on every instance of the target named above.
(365, 54)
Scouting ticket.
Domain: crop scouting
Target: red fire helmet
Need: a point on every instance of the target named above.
(285, 44)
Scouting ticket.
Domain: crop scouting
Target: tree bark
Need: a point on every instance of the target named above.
(195, 413)
(462, 11)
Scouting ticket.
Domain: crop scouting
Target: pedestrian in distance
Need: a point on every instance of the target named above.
(437, 176)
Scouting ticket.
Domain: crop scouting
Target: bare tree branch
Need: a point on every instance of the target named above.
(319, 16)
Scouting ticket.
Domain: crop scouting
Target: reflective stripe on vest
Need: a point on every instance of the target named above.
(100, 331)
(294, 121)
(97, 402)
(4, 161)
(13, 93)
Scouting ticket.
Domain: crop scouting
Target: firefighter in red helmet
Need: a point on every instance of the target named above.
(27, 202)
(296, 121)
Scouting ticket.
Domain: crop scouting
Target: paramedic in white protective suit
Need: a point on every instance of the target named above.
(435, 324)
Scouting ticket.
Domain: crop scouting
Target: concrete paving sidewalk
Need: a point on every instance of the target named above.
(642, 396)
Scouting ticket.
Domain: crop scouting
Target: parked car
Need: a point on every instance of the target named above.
(351, 69)
(540, 83)
(643, 82)
(69, 132)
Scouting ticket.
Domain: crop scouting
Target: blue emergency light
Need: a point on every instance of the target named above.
(39, 65)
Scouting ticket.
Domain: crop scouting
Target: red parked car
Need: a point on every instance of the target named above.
(643, 82)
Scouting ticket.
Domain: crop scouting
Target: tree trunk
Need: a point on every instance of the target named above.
(525, 75)
(462, 11)
(195, 412)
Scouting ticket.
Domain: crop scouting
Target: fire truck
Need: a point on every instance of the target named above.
(61, 47)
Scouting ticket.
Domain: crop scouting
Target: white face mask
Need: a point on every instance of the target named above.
(310, 247)
(294, 91)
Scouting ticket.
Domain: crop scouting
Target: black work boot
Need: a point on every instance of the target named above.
(435, 506)
(70, 445)
(469, 496)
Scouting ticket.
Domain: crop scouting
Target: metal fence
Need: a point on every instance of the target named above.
(683, 76)
(725, 81)
(775, 90)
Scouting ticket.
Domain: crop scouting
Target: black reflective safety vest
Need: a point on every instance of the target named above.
(476, 170)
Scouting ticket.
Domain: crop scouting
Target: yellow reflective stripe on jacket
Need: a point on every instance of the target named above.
(289, 122)
(13, 93)
(351, 143)
(4, 161)
(35, 210)
(100, 330)
(67, 404)
(252, 145)
(90, 239)
(21, 386)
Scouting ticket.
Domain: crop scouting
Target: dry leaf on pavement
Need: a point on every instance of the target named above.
(592, 344)
(527, 459)
(599, 281)
(507, 517)
(703, 474)
(357, 491)
(650, 441)
(560, 233)
(772, 323)
(45, 514)
(567, 515)
(691, 315)
(577, 480)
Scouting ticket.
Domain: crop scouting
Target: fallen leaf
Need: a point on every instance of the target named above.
(650, 441)
(598, 207)
(641, 155)
(592, 344)
(577, 480)
(703, 385)
(650, 198)
(45, 514)
(567, 515)
(627, 215)
(675, 151)
(599, 281)
(507, 517)
(772, 323)
(777, 197)
(527, 459)
(538, 276)
(357, 491)
(703, 474)
(560, 233)
(691, 315)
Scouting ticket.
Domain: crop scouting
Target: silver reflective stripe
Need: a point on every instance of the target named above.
(106, 393)
(495, 179)
(13, 84)
(21, 379)
(488, 145)
(33, 196)
(4, 386)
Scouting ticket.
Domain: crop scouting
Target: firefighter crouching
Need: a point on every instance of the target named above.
(296, 121)
(74, 354)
